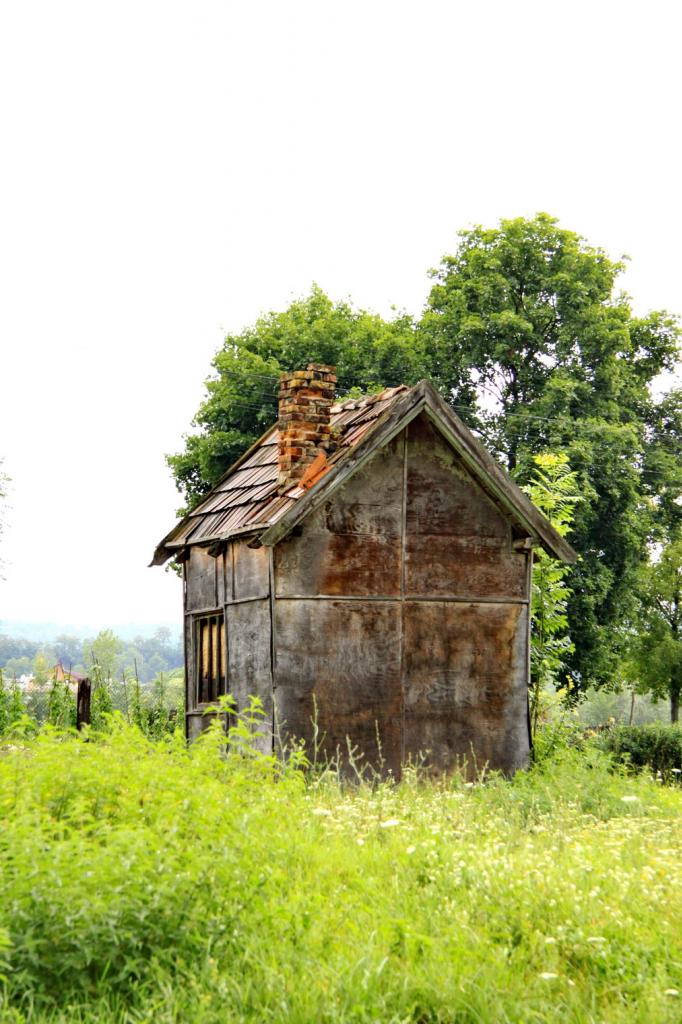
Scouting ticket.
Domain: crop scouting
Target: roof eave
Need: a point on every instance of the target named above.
(164, 550)
(496, 479)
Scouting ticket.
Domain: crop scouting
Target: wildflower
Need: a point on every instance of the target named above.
(671, 992)
(629, 799)
(548, 975)
(549, 940)
(360, 841)
(596, 940)
(389, 823)
(321, 810)
(410, 850)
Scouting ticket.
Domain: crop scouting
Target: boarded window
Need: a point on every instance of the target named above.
(210, 657)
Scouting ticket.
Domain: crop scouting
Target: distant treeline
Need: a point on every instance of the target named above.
(144, 656)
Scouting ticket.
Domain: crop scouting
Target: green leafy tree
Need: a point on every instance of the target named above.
(17, 705)
(61, 705)
(41, 670)
(658, 646)
(524, 327)
(662, 465)
(241, 396)
(553, 491)
(102, 655)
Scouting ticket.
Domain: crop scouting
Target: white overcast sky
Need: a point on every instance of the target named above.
(169, 170)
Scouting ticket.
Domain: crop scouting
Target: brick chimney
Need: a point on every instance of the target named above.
(305, 433)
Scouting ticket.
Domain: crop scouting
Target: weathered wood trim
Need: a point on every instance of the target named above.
(213, 609)
(273, 640)
(338, 597)
(465, 600)
(403, 587)
(246, 600)
(483, 465)
(184, 643)
(529, 594)
(396, 599)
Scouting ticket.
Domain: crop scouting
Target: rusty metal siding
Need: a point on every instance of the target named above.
(352, 544)
(458, 542)
(402, 607)
(341, 661)
(464, 684)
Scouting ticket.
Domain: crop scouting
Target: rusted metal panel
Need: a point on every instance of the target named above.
(201, 572)
(251, 576)
(465, 686)
(249, 661)
(458, 542)
(341, 661)
(352, 545)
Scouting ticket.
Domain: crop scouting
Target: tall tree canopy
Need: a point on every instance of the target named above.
(524, 334)
(524, 323)
(658, 646)
(241, 399)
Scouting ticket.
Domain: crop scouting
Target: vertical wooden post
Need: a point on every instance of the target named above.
(83, 703)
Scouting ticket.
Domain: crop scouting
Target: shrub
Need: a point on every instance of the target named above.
(655, 746)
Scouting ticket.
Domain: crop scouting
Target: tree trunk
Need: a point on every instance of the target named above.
(675, 707)
(83, 703)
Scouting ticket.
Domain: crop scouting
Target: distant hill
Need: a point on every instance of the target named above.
(44, 632)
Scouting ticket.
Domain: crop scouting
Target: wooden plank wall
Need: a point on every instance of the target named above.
(236, 581)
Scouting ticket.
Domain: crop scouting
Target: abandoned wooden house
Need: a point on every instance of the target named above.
(366, 564)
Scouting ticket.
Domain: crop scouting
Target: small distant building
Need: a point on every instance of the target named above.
(61, 675)
(29, 683)
(367, 565)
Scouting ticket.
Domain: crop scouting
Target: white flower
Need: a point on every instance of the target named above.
(548, 975)
(410, 849)
(671, 992)
(549, 940)
(629, 799)
(389, 823)
(321, 810)
(596, 939)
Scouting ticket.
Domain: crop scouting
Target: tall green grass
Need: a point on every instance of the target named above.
(144, 881)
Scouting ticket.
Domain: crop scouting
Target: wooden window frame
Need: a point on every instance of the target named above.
(209, 647)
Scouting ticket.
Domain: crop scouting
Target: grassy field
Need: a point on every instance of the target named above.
(141, 881)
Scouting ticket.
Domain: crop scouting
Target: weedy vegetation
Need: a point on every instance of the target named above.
(142, 880)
